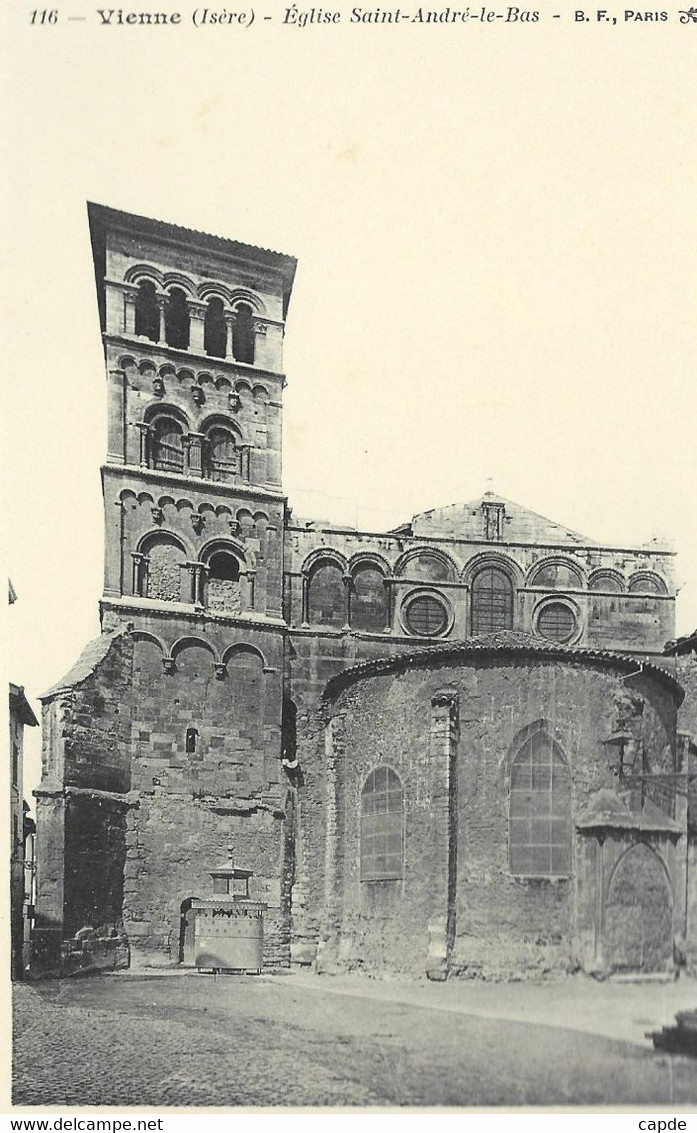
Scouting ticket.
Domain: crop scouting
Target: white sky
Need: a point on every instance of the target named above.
(495, 231)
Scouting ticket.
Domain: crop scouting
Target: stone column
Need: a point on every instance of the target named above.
(443, 780)
(230, 331)
(245, 462)
(198, 572)
(162, 303)
(681, 873)
(193, 447)
(328, 946)
(305, 604)
(197, 317)
(116, 428)
(129, 310)
(145, 435)
(347, 598)
(139, 568)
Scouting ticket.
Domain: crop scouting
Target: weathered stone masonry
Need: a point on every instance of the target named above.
(446, 748)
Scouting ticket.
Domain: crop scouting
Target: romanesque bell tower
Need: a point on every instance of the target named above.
(192, 328)
(193, 340)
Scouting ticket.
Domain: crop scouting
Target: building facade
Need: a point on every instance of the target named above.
(21, 829)
(409, 739)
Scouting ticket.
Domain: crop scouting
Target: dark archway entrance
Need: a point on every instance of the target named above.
(639, 914)
(187, 933)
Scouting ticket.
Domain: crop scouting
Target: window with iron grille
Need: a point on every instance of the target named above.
(167, 445)
(426, 616)
(492, 601)
(539, 824)
(556, 622)
(382, 822)
(221, 455)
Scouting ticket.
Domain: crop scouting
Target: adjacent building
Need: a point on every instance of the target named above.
(21, 828)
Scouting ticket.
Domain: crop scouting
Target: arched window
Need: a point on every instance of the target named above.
(222, 454)
(382, 826)
(605, 580)
(191, 740)
(215, 329)
(177, 320)
(368, 606)
(558, 576)
(147, 311)
(426, 566)
(167, 444)
(243, 334)
(326, 596)
(492, 601)
(162, 577)
(539, 824)
(646, 584)
(222, 591)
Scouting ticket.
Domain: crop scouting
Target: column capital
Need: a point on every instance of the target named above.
(196, 308)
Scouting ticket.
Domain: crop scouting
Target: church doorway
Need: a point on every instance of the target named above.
(639, 914)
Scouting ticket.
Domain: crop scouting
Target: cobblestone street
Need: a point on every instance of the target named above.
(179, 1040)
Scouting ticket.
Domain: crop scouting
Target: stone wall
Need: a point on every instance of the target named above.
(504, 924)
(154, 775)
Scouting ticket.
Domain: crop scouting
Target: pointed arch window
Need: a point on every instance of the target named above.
(177, 324)
(382, 826)
(147, 311)
(492, 601)
(539, 824)
(215, 329)
(243, 334)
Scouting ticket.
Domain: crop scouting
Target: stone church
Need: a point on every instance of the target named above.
(448, 749)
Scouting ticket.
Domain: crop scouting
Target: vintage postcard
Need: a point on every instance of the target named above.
(351, 534)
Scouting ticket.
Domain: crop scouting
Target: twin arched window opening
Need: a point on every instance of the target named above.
(359, 600)
(167, 449)
(161, 572)
(175, 327)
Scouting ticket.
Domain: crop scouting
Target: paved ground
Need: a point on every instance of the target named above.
(177, 1040)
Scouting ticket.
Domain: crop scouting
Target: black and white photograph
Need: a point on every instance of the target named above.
(351, 537)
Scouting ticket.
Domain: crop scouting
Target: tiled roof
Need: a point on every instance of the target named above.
(681, 645)
(511, 643)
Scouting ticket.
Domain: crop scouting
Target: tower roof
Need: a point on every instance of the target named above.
(103, 218)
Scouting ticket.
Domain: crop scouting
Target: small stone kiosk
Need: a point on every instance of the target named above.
(229, 926)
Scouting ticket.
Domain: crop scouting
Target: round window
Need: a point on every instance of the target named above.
(426, 616)
(556, 622)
